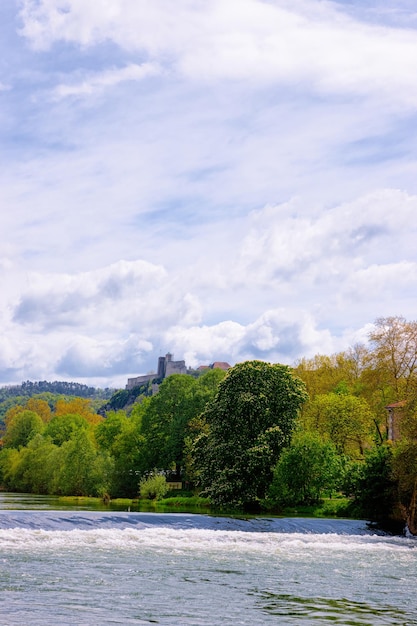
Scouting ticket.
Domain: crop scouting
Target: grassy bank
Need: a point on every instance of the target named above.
(329, 507)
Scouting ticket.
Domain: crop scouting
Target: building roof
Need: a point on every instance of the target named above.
(396, 405)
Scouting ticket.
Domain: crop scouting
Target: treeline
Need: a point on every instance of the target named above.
(61, 387)
(261, 435)
(51, 392)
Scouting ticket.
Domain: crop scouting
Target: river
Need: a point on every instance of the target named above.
(89, 568)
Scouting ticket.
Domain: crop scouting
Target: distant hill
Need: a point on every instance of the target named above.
(50, 392)
(61, 387)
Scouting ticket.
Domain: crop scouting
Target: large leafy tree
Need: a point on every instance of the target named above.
(21, 428)
(307, 468)
(344, 419)
(86, 471)
(248, 423)
(167, 417)
(120, 436)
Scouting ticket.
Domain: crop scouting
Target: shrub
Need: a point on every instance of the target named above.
(154, 487)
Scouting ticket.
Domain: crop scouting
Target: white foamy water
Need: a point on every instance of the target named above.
(96, 568)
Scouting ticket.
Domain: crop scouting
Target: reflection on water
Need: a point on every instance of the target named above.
(32, 502)
(337, 611)
(29, 501)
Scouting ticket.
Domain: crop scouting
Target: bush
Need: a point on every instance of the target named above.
(154, 487)
(307, 469)
(374, 485)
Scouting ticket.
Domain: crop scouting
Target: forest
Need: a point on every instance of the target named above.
(258, 437)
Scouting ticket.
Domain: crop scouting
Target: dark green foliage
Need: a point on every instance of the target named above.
(305, 470)
(165, 422)
(121, 437)
(405, 470)
(167, 417)
(29, 388)
(373, 484)
(249, 422)
(125, 398)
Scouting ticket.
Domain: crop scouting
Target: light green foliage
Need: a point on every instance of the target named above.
(86, 471)
(340, 373)
(248, 423)
(107, 432)
(22, 427)
(345, 419)
(394, 354)
(61, 428)
(154, 487)
(40, 465)
(305, 470)
(9, 462)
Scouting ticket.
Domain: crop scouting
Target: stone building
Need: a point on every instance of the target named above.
(395, 412)
(166, 367)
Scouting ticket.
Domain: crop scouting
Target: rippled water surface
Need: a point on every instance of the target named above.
(88, 568)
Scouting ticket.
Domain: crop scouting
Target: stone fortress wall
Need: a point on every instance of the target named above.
(166, 367)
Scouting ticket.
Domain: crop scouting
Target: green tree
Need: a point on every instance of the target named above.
(405, 472)
(374, 484)
(85, 471)
(10, 459)
(38, 465)
(394, 354)
(249, 422)
(61, 428)
(341, 371)
(122, 438)
(21, 428)
(307, 468)
(106, 432)
(167, 416)
(345, 419)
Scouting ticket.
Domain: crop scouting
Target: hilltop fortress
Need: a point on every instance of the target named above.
(167, 366)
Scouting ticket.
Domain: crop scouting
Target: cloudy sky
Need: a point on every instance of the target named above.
(222, 179)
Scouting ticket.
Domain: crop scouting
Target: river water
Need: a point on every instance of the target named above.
(95, 567)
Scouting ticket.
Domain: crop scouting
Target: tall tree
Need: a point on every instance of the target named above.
(344, 419)
(394, 353)
(309, 466)
(21, 428)
(249, 422)
(167, 416)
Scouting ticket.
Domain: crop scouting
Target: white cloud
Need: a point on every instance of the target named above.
(303, 42)
(96, 83)
(252, 161)
(294, 239)
(376, 281)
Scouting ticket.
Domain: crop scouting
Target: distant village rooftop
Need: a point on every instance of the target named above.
(167, 366)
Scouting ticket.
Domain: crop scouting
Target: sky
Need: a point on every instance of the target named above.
(221, 179)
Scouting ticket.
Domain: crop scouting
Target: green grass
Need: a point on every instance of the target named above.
(328, 507)
(192, 501)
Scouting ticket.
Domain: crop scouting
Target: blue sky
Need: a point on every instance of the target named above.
(226, 180)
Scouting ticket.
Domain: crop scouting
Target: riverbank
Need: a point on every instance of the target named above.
(328, 508)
